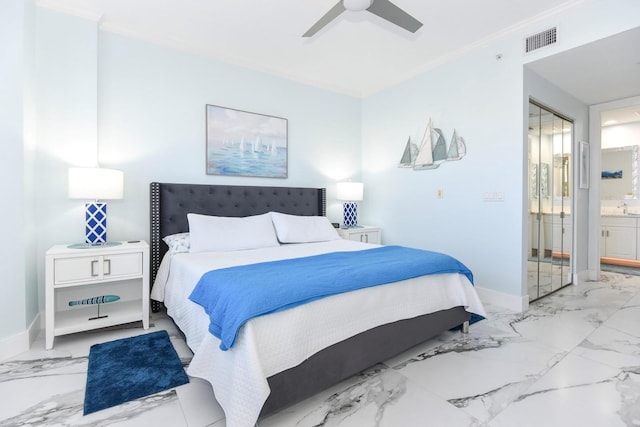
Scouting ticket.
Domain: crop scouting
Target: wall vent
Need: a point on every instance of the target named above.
(541, 39)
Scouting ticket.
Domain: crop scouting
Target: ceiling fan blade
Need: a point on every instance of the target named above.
(392, 13)
(333, 13)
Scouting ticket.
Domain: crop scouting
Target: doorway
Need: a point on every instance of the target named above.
(619, 189)
(550, 142)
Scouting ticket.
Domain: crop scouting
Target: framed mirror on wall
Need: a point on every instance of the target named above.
(619, 175)
(584, 165)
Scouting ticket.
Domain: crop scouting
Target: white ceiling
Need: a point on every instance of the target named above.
(602, 71)
(360, 53)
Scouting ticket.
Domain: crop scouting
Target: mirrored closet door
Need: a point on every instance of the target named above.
(550, 141)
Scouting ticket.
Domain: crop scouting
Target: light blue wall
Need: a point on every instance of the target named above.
(148, 110)
(12, 295)
(483, 98)
(30, 232)
(474, 96)
(67, 125)
(18, 289)
(152, 123)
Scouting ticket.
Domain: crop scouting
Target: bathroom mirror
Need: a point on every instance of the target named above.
(619, 177)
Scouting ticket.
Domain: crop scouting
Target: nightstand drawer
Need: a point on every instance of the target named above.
(90, 268)
(125, 264)
(364, 234)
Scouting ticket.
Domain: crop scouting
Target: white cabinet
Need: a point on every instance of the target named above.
(618, 237)
(74, 275)
(364, 234)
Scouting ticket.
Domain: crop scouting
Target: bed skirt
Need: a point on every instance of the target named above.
(348, 357)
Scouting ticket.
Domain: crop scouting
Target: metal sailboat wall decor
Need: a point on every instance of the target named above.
(409, 155)
(433, 150)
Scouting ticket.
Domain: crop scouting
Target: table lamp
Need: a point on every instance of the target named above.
(350, 193)
(95, 184)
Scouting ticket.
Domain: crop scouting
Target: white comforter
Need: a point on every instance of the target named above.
(273, 343)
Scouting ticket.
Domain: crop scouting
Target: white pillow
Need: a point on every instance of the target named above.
(219, 233)
(303, 229)
(177, 242)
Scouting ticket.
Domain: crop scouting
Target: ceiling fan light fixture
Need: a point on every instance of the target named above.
(385, 9)
(357, 5)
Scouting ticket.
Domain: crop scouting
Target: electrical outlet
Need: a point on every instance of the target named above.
(493, 196)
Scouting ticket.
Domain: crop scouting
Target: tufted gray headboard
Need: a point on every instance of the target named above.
(170, 204)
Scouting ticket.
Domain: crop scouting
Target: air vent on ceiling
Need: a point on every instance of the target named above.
(541, 39)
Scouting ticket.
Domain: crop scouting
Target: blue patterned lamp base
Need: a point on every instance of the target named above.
(96, 223)
(350, 214)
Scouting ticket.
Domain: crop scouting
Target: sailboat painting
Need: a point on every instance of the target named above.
(433, 150)
(241, 143)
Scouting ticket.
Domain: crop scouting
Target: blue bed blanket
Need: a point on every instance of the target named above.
(232, 296)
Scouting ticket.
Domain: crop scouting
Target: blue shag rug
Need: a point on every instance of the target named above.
(131, 368)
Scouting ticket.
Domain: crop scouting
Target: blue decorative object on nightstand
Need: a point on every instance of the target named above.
(96, 223)
(102, 299)
(350, 193)
(350, 214)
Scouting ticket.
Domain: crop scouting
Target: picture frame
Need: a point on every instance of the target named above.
(584, 165)
(241, 143)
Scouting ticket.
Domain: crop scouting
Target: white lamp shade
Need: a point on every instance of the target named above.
(350, 191)
(95, 183)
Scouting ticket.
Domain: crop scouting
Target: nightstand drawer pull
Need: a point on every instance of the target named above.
(107, 267)
(94, 263)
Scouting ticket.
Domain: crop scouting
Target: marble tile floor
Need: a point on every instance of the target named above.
(572, 360)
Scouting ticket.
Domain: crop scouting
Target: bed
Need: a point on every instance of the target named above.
(267, 370)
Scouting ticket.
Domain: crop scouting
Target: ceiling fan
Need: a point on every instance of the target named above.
(383, 8)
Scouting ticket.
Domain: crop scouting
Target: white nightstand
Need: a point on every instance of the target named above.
(78, 274)
(364, 234)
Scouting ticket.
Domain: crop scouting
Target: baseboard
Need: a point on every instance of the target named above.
(516, 303)
(21, 342)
